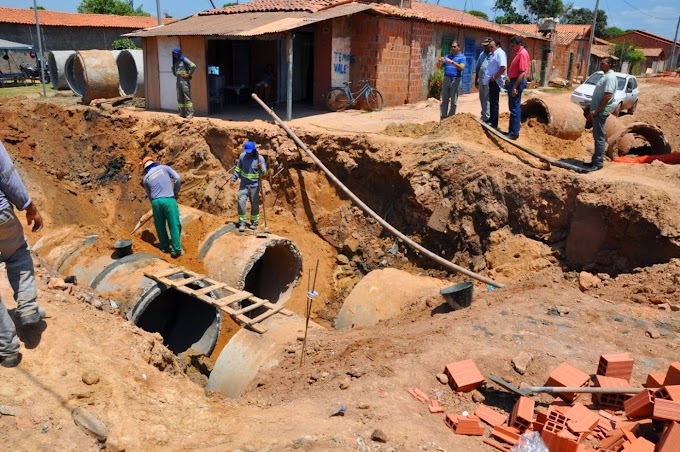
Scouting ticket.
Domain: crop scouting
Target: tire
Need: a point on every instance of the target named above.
(374, 100)
(336, 99)
(631, 110)
(617, 110)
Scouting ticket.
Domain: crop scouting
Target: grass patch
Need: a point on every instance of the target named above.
(28, 90)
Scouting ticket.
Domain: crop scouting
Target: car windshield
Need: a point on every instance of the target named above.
(596, 76)
(621, 82)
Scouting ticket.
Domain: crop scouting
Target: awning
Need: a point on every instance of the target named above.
(11, 45)
(248, 24)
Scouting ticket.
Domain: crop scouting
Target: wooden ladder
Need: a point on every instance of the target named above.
(225, 298)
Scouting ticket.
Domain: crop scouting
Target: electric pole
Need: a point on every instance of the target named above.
(40, 49)
(673, 62)
(592, 35)
(158, 11)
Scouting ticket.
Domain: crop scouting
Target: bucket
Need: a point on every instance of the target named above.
(458, 295)
(123, 247)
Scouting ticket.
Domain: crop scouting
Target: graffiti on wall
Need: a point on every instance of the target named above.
(341, 61)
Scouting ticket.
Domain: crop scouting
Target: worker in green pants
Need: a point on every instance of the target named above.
(162, 184)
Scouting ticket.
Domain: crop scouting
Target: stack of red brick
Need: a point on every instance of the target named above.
(648, 421)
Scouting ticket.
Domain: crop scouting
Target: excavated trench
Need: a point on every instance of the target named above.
(449, 197)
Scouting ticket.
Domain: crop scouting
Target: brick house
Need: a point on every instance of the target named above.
(647, 40)
(327, 42)
(65, 31)
(565, 54)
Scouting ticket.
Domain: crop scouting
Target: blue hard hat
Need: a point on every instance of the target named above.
(249, 147)
(177, 51)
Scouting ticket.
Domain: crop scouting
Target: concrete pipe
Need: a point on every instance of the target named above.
(70, 75)
(131, 72)
(561, 120)
(638, 138)
(384, 294)
(57, 63)
(95, 74)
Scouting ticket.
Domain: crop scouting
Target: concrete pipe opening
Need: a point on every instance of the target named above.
(96, 75)
(57, 63)
(638, 138)
(71, 76)
(561, 120)
(131, 72)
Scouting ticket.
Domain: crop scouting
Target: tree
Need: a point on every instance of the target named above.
(544, 8)
(116, 7)
(477, 13)
(585, 16)
(39, 8)
(510, 16)
(612, 32)
(628, 51)
(123, 43)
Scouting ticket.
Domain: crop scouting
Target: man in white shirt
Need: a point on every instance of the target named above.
(495, 78)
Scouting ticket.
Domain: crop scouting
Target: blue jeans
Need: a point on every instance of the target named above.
(515, 106)
(450, 89)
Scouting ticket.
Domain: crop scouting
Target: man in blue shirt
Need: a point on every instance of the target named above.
(249, 167)
(600, 109)
(453, 65)
(17, 258)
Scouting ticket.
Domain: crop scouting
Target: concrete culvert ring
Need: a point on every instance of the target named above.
(638, 138)
(70, 75)
(131, 72)
(57, 63)
(182, 320)
(561, 120)
(95, 75)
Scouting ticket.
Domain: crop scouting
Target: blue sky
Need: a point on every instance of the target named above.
(656, 16)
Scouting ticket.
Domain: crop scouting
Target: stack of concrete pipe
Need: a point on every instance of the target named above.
(99, 74)
(567, 121)
(267, 267)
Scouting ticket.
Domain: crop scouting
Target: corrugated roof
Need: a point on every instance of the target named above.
(248, 24)
(265, 6)
(652, 52)
(11, 45)
(59, 19)
(566, 33)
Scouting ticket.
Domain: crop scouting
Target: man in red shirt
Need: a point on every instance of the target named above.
(517, 73)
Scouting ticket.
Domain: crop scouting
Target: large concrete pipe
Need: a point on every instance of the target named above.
(131, 72)
(183, 321)
(95, 75)
(563, 120)
(57, 63)
(268, 266)
(384, 294)
(637, 138)
(71, 76)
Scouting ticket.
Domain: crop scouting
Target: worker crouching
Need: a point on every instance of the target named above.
(162, 184)
(249, 168)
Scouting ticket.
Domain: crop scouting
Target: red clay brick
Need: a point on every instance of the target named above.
(639, 445)
(668, 393)
(670, 439)
(508, 434)
(655, 380)
(673, 375)
(611, 400)
(491, 417)
(580, 419)
(666, 410)
(558, 443)
(640, 405)
(462, 425)
(497, 445)
(522, 414)
(419, 395)
(617, 365)
(566, 375)
(435, 407)
(613, 440)
(464, 375)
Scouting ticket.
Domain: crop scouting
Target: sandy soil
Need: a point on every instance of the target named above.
(505, 216)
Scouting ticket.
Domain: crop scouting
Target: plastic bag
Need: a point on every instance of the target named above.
(530, 442)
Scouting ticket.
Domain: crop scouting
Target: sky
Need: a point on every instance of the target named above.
(656, 16)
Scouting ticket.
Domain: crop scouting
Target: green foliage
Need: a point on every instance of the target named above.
(434, 84)
(628, 51)
(544, 8)
(123, 43)
(116, 7)
(585, 16)
(480, 14)
(39, 8)
(230, 4)
(510, 14)
(612, 32)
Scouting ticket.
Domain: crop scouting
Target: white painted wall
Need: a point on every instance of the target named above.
(340, 63)
(168, 82)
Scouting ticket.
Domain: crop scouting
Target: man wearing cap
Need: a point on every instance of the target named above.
(162, 185)
(453, 65)
(480, 73)
(182, 68)
(14, 253)
(249, 167)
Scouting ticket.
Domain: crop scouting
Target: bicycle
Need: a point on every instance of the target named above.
(338, 99)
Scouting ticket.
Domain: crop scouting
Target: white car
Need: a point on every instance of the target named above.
(625, 97)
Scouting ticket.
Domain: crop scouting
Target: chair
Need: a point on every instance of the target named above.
(216, 90)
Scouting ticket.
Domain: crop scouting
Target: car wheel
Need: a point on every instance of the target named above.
(617, 111)
(631, 110)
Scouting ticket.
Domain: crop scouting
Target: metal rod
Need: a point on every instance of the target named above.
(40, 49)
(675, 39)
(592, 35)
(158, 11)
(289, 90)
(448, 264)
(311, 294)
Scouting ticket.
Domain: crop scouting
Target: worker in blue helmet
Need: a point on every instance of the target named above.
(183, 68)
(249, 168)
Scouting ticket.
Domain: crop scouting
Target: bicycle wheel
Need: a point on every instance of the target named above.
(336, 99)
(374, 100)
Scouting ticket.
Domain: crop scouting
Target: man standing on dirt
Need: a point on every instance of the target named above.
(495, 78)
(480, 73)
(162, 184)
(249, 167)
(453, 65)
(517, 72)
(600, 108)
(183, 68)
(17, 258)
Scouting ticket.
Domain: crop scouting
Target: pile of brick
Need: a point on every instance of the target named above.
(648, 421)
